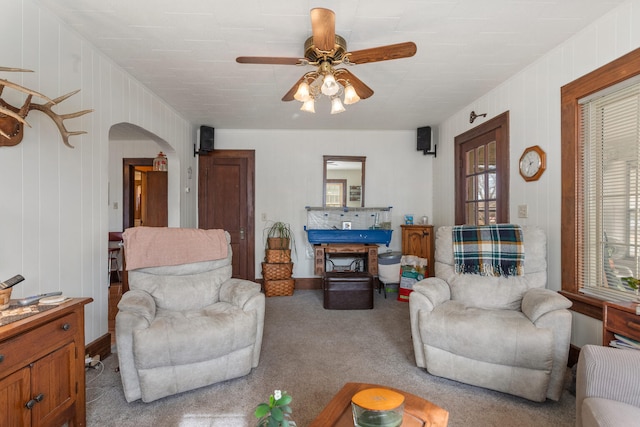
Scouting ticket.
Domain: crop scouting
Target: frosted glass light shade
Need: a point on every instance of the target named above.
(350, 95)
(309, 106)
(336, 106)
(302, 94)
(330, 86)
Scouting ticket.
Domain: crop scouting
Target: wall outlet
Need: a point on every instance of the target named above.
(523, 211)
(264, 216)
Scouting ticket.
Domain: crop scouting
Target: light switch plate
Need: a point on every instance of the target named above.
(523, 211)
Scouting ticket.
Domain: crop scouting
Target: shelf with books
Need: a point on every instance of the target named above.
(620, 324)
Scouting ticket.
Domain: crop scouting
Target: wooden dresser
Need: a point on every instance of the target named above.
(418, 240)
(42, 381)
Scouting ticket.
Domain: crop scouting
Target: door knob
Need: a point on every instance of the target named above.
(241, 233)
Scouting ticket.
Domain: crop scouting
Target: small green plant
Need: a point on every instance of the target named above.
(632, 282)
(276, 412)
(279, 230)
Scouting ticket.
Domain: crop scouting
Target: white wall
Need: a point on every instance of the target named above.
(289, 177)
(53, 199)
(533, 99)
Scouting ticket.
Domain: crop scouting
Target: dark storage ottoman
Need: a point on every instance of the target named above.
(347, 290)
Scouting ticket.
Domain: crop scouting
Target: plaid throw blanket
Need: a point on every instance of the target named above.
(490, 250)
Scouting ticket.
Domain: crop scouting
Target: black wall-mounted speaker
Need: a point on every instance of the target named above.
(424, 138)
(425, 142)
(206, 139)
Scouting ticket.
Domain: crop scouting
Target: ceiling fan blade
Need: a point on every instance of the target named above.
(362, 89)
(270, 60)
(323, 25)
(383, 53)
(289, 95)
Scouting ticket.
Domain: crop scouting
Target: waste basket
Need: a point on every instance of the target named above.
(389, 270)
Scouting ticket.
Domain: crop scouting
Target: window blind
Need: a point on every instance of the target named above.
(610, 141)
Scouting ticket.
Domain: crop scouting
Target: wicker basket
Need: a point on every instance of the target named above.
(277, 271)
(277, 255)
(278, 243)
(5, 296)
(275, 288)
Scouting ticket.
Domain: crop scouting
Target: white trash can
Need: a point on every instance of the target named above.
(389, 270)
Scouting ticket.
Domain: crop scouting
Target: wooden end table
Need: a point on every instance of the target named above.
(417, 411)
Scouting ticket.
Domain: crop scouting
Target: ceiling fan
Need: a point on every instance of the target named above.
(325, 49)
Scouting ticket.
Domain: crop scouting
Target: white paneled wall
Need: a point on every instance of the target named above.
(533, 99)
(289, 177)
(53, 199)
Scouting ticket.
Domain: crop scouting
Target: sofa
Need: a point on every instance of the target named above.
(509, 334)
(185, 322)
(607, 387)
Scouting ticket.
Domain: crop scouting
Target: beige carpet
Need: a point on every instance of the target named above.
(311, 352)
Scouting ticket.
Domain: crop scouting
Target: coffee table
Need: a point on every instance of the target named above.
(417, 411)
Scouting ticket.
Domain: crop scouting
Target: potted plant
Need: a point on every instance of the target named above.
(275, 413)
(278, 268)
(632, 282)
(279, 235)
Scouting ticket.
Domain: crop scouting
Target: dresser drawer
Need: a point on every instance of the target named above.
(623, 322)
(38, 342)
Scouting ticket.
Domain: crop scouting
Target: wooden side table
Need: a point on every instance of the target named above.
(370, 251)
(620, 318)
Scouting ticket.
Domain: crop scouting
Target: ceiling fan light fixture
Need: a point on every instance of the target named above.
(329, 85)
(303, 92)
(336, 106)
(350, 95)
(309, 106)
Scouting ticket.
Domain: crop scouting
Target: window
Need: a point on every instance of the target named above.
(336, 195)
(573, 220)
(482, 173)
(610, 141)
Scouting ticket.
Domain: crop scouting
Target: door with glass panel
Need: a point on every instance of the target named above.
(482, 174)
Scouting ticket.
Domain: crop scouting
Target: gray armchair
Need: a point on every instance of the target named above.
(508, 334)
(185, 326)
(607, 387)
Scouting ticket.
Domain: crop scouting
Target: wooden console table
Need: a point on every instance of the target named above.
(42, 367)
(370, 250)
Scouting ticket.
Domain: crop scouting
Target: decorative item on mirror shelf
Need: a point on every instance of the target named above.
(277, 412)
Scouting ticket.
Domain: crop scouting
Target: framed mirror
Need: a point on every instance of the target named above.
(343, 181)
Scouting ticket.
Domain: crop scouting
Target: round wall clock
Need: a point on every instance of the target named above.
(533, 163)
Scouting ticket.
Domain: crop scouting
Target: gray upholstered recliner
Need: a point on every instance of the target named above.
(508, 334)
(607, 387)
(185, 326)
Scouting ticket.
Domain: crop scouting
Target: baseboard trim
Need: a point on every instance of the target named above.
(101, 346)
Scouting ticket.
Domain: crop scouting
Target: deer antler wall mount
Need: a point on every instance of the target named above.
(13, 119)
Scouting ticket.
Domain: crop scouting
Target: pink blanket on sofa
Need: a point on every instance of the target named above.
(158, 246)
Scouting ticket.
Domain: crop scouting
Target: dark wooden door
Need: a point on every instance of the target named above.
(226, 201)
(155, 195)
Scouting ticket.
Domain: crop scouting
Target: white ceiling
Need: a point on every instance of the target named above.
(185, 50)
